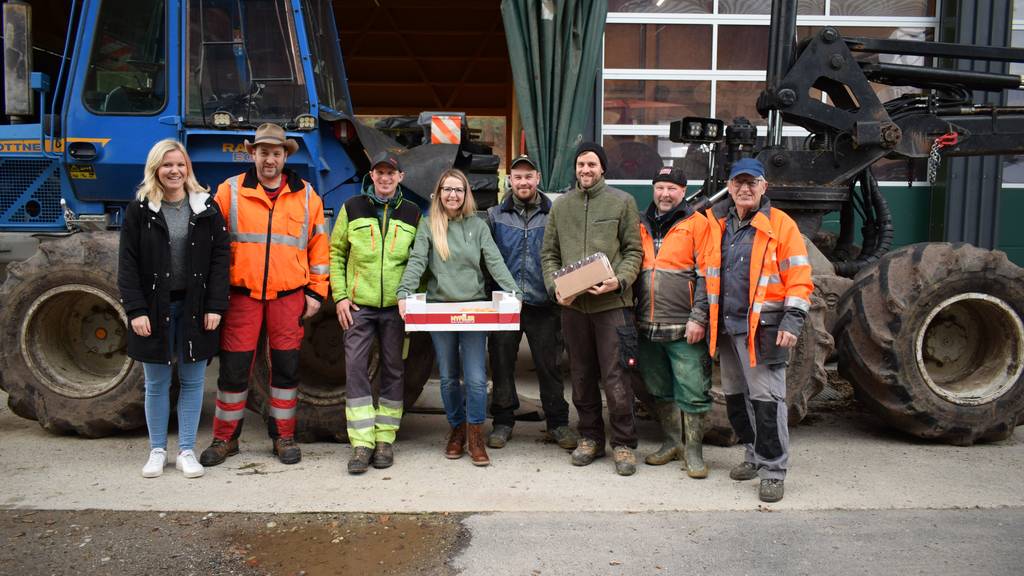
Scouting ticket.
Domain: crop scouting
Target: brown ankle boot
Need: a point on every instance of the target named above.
(456, 442)
(477, 451)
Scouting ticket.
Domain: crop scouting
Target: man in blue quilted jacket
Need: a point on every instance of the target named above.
(517, 224)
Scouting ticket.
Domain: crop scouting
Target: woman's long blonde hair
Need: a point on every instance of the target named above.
(439, 216)
(151, 189)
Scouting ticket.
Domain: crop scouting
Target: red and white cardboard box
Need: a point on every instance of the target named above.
(501, 313)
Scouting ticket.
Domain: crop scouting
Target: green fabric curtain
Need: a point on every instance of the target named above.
(555, 50)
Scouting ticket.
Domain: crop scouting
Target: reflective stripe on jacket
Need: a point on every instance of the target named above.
(670, 286)
(276, 246)
(780, 271)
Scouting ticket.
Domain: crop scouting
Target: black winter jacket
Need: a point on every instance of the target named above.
(143, 277)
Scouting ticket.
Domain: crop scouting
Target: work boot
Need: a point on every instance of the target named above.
(772, 489)
(625, 461)
(744, 471)
(586, 452)
(360, 460)
(565, 437)
(287, 451)
(218, 452)
(477, 452)
(672, 428)
(383, 455)
(499, 436)
(694, 462)
(456, 442)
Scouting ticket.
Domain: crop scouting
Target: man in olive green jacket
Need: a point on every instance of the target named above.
(598, 325)
(370, 248)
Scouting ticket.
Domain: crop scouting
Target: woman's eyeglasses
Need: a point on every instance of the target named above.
(448, 190)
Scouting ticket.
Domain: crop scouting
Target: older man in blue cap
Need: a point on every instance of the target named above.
(759, 293)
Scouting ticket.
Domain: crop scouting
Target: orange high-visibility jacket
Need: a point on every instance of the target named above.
(780, 271)
(667, 284)
(278, 246)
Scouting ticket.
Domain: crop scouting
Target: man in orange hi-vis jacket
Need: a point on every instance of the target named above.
(279, 276)
(759, 289)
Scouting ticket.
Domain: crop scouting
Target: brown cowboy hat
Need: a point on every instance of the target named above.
(274, 135)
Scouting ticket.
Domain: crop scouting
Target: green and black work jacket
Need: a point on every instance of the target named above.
(370, 248)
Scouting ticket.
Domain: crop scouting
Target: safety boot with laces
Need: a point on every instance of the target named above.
(743, 471)
(360, 461)
(287, 451)
(500, 433)
(383, 455)
(586, 452)
(218, 451)
(625, 461)
(565, 437)
(771, 490)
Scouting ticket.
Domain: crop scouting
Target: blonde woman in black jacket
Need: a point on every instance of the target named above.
(173, 278)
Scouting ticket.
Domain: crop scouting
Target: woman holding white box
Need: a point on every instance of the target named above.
(451, 242)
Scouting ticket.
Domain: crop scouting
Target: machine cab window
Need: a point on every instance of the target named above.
(128, 67)
(243, 60)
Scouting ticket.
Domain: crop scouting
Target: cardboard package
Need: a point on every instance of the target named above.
(579, 276)
(501, 313)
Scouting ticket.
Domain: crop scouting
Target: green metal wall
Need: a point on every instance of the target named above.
(1011, 230)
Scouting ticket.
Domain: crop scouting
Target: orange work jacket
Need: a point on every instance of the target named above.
(780, 271)
(667, 284)
(276, 246)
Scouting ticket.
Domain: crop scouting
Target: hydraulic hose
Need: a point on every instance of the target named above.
(878, 231)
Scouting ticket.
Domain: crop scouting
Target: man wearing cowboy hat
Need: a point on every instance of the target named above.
(279, 276)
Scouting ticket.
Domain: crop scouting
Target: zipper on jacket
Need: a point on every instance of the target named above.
(586, 225)
(526, 251)
(760, 271)
(266, 262)
(355, 285)
(384, 221)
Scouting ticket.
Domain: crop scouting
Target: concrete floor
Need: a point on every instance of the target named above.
(840, 460)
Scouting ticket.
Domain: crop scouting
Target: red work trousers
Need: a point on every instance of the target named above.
(245, 319)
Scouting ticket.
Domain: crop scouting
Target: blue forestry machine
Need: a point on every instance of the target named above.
(205, 72)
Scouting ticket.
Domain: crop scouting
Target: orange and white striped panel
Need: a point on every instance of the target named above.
(445, 129)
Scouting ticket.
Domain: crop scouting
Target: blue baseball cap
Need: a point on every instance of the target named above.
(750, 166)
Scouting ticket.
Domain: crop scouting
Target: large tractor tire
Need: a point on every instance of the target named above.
(932, 338)
(805, 377)
(63, 330)
(321, 410)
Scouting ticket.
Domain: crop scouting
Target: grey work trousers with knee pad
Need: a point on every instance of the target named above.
(756, 402)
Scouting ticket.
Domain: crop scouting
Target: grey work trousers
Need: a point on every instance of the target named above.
(756, 403)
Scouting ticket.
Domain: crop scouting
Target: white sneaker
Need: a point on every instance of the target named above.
(189, 466)
(155, 466)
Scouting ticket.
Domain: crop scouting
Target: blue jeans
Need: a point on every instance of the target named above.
(470, 395)
(158, 390)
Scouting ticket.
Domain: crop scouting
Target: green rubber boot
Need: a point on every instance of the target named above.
(672, 427)
(694, 463)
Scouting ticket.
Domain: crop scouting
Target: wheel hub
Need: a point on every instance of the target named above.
(73, 340)
(970, 348)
